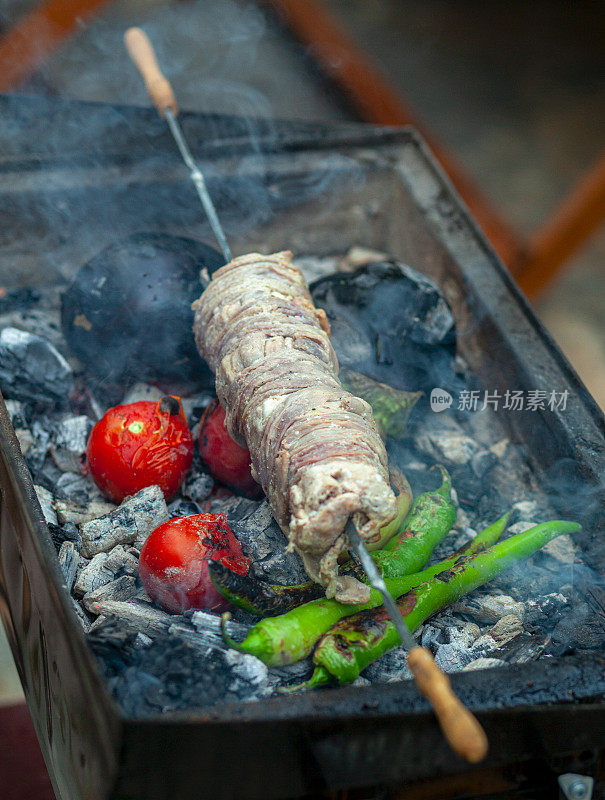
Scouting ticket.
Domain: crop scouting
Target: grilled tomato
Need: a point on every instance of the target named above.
(138, 445)
(174, 561)
(226, 460)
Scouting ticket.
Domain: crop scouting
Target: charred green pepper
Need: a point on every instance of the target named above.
(356, 642)
(290, 637)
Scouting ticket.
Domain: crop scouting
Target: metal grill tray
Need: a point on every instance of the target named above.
(75, 176)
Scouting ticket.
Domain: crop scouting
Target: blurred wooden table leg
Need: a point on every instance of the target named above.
(578, 216)
(35, 36)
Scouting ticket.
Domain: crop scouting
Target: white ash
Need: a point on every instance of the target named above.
(484, 663)
(130, 523)
(32, 369)
(45, 499)
(392, 666)
(203, 630)
(68, 447)
(444, 440)
(40, 435)
(69, 559)
(81, 513)
(499, 449)
(314, 267)
(482, 462)
(135, 617)
(122, 589)
(520, 526)
(141, 640)
(104, 568)
(16, 413)
(488, 608)
(249, 673)
(563, 549)
(80, 489)
(198, 487)
(25, 439)
(142, 391)
(506, 628)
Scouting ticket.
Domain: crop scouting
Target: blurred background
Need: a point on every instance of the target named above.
(511, 96)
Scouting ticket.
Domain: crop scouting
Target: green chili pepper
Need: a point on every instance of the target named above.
(291, 637)
(428, 523)
(356, 642)
(391, 407)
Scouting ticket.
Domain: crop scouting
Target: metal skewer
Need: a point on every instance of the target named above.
(141, 51)
(462, 731)
(459, 726)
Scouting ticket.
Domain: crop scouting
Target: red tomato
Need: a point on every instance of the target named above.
(226, 460)
(174, 561)
(138, 445)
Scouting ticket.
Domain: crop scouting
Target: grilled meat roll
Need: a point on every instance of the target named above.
(314, 446)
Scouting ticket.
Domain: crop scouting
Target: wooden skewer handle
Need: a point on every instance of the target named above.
(141, 51)
(463, 732)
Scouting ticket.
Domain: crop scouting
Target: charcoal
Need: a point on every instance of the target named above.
(82, 616)
(16, 413)
(207, 629)
(195, 406)
(482, 462)
(120, 561)
(92, 575)
(520, 526)
(68, 448)
(455, 448)
(264, 543)
(136, 616)
(140, 640)
(65, 533)
(462, 647)
(522, 648)
(489, 608)
(562, 549)
(166, 677)
(506, 628)
(135, 292)
(292, 673)
(130, 523)
(68, 560)
(81, 513)
(45, 499)
(198, 487)
(581, 628)
(122, 589)
(25, 439)
(484, 663)
(392, 666)
(79, 489)
(32, 369)
(98, 622)
(384, 314)
(36, 453)
(545, 611)
(250, 675)
(182, 508)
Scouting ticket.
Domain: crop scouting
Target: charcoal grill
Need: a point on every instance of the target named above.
(73, 177)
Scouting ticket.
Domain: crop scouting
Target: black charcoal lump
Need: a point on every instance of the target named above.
(130, 523)
(32, 369)
(263, 541)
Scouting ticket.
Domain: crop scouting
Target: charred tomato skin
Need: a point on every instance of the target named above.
(226, 460)
(173, 565)
(140, 444)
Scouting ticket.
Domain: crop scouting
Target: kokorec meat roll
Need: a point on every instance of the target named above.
(314, 446)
